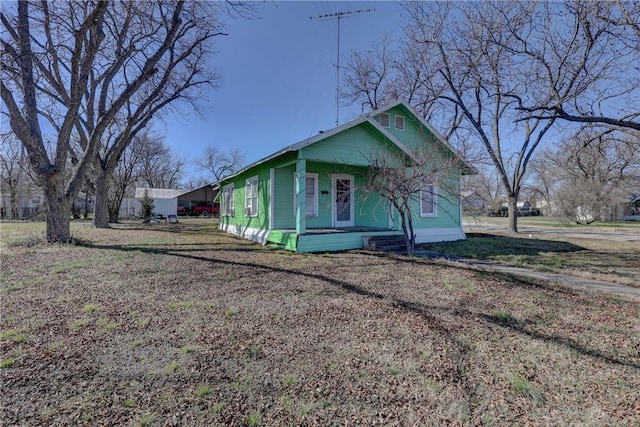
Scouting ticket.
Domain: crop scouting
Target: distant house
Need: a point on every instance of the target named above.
(305, 197)
(165, 200)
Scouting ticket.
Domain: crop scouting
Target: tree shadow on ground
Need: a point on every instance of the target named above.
(435, 316)
(486, 246)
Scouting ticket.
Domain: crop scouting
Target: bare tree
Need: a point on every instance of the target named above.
(585, 56)
(408, 179)
(595, 170)
(159, 167)
(221, 163)
(502, 74)
(25, 71)
(11, 159)
(485, 185)
(96, 72)
(180, 68)
(544, 180)
(147, 161)
(125, 175)
(476, 76)
(367, 80)
(194, 183)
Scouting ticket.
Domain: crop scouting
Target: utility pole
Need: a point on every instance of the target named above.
(338, 16)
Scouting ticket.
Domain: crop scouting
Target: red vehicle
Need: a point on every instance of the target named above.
(206, 209)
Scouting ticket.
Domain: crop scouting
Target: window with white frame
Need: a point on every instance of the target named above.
(311, 184)
(384, 119)
(399, 122)
(227, 201)
(251, 197)
(428, 200)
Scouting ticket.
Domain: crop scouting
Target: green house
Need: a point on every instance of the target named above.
(308, 197)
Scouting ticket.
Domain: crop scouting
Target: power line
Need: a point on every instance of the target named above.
(338, 16)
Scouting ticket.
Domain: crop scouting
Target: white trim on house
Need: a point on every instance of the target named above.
(334, 207)
(428, 235)
(228, 201)
(385, 117)
(433, 192)
(314, 212)
(251, 196)
(390, 136)
(398, 122)
(258, 235)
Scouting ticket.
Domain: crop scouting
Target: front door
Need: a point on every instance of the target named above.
(343, 201)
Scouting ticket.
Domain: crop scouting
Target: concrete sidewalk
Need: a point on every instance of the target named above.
(572, 281)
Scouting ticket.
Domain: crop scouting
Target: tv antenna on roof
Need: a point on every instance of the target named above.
(338, 16)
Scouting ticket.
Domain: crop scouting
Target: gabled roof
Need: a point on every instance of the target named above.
(213, 186)
(366, 118)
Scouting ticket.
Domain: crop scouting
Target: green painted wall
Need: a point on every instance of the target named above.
(413, 134)
(355, 146)
(261, 221)
(285, 240)
(334, 241)
(368, 212)
(448, 209)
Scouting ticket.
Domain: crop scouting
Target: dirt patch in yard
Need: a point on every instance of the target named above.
(178, 324)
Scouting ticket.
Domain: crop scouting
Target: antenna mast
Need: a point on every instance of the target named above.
(338, 16)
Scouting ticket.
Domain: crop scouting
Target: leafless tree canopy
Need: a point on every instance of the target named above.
(220, 163)
(15, 180)
(499, 75)
(146, 162)
(589, 174)
(403, 178)
(583, 57)
(96, 73)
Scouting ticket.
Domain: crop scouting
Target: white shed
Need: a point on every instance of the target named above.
(165, 200)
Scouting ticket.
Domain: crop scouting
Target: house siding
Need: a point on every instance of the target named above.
(414, 134)
(355, 146)
(283, 203)
(370, 211)
(335, 241)
(348, 152)
(240, 221)
(448, 210)
(286, 240)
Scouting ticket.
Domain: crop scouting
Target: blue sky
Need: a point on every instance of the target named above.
(278, 82)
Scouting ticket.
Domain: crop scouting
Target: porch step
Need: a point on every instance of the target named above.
(385, 243)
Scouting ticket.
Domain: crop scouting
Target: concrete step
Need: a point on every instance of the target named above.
(385, 243)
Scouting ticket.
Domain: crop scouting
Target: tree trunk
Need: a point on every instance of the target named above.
(411, 248)
(512, 205)
(114, 207)
(407, 229)
(101, 204)
(13, 212)
(57, 206)
(86, 204)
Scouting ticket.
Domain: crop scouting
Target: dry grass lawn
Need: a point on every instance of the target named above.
(174, 325)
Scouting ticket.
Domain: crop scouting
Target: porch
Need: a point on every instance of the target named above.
(326, 239)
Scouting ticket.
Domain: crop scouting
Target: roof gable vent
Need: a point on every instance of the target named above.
(384, 119)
